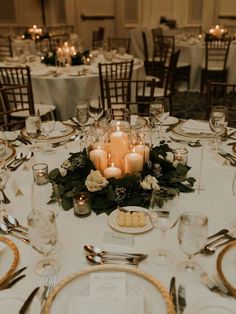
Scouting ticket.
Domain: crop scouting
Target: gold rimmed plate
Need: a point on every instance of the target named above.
(178, 129)
(63, 131)
(226, 265)
(156, 298)
(10, 152)
(9, 257)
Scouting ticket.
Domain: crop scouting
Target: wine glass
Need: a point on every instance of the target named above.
(33, 125)
(42, 233)
(167, 211)
(95, 112)
(192, 237)
(218, 122)
(47, 126)
(158, 114)
(82, 116)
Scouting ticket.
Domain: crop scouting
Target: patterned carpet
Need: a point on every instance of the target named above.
(189, 105)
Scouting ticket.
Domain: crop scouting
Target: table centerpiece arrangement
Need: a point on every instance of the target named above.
(82, 172)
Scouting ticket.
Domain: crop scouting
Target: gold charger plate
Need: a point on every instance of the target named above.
(70, 129)
(178, 130)
(156, 296)
(226, 265)
(9, 257)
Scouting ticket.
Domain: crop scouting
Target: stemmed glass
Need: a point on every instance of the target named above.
(33, 126)
(47, 126)
(192, 237)
(167, 217)
(217, 122)
(95, 112)
(42, 233)
(158, 114)
(82, 116)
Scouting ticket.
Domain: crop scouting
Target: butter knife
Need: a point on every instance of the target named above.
(172, 293)
(7, 282)
(28, 301)
(181, 298)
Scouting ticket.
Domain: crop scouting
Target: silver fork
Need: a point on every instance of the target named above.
(221, 286)
(211, 284)
(50, 284)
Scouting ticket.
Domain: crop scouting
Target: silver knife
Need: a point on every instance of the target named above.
(172, 293)
(181, 298)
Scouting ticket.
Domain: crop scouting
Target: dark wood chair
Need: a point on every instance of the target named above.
(58, 40)
(113, 71)
(16, 104)
(222, 94)
(214, 67)
(135, 95)
(118, 43)
(15, 76)
(5, 47)
(97, 38)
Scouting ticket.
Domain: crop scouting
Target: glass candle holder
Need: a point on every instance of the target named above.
(181, 155)
(40, 173)
(82, 204)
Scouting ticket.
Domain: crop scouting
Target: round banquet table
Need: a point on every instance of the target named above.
(63, 87)
(192, 51)
(213, 196)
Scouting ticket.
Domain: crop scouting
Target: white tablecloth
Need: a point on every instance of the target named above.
(214, 199)
(191, 51)
(65, 89)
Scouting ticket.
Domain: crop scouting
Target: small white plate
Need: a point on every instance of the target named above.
(11, 136)
(171, 120)
(211, 306)
(113, 221)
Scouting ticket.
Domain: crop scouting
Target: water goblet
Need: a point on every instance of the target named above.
(167, 211)
(192, 237)
(158, 114)
(47, 126)
(43, 236)
(95, 112)
(33, 125)
(217, 122)
(82, 116)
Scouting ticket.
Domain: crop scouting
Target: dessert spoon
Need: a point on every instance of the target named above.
(26, 158)
(98, 260)
(13, 222)
(97, 251)
(18, 157)
(4, 230)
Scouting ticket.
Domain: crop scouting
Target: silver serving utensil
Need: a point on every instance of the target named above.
(71, 139)
(97, 251)
(100, 260)
(196, 143)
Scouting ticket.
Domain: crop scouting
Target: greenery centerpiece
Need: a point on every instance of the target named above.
(160, 172)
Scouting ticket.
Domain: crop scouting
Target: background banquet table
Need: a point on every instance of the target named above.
(72, 84)
(191, 51)
(214, 182)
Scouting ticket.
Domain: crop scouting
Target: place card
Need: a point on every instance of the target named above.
(118, 239)
(16, 189)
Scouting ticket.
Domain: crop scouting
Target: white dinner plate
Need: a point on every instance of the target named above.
(211, 306)
(113, 221)
(171, 120)
(11, 136)
(155, 297)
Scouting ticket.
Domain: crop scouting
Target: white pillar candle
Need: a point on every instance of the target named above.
(119, 147)
(112, 172)
(133, 163)
(142, 150)
(99, 158)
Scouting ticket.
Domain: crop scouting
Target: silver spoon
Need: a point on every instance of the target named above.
(98, 260)
(71, 139)
(17, 157)
(26, 158)
(211, 250)
(4, 230)
(12, 221)
(12, 229)
(97, 251)
(196, 143)
(221, 232)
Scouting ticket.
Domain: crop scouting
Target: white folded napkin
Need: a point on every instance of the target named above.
(92, 305)
(59, 129)
(197, 127)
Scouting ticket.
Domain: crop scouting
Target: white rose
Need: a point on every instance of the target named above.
(150, 183)
(66, 164)
(95, 181)
(63, 172)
